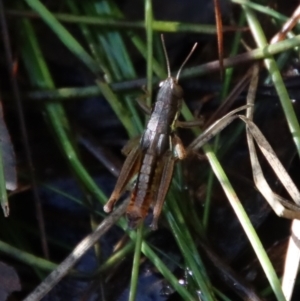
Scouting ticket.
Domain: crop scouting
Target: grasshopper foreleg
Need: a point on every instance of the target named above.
(143, 106)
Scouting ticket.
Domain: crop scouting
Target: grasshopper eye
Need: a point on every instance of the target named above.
(177, 91)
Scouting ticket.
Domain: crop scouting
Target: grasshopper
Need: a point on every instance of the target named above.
(153, 158)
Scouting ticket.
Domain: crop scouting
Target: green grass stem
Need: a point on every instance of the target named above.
(136, 263)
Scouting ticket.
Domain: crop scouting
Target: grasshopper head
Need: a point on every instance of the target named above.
(171, 86)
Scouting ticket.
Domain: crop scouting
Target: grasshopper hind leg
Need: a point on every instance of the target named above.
(129, 169)
(168, 162)
(165, 180)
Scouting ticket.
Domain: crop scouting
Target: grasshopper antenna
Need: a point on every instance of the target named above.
(184, 62)
(166, 54)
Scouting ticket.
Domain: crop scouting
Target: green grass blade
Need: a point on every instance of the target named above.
(149, 38)
(187, 247)
(246, 224)
(41, 78)
(166, 273)
(72, 44)
(66, 38)
(279, 85)
(108, 22)
(26, 257)
(136, 263)
(224, 93)
(3, 193)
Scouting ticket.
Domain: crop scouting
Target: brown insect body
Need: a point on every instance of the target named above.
(155, 142)
(153, 159)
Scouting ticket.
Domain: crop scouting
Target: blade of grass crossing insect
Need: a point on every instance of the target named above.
(149, 37)
(136, 263)
(40, 77)
(137, 251)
